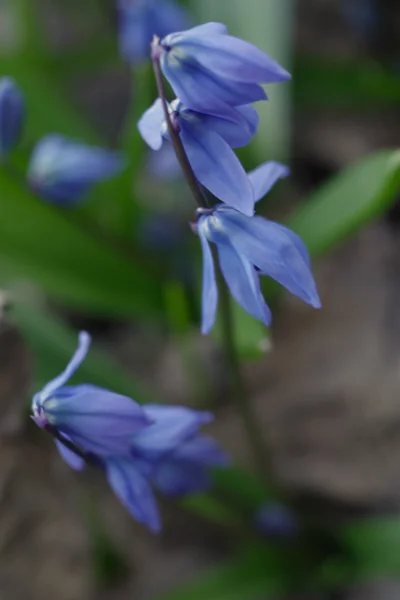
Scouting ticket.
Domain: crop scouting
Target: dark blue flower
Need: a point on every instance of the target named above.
(208, 141)
(12, 113)
(211, 71)
(63, 170)
(140, 20)
(96, 420)
(249, 247)
(276, 521)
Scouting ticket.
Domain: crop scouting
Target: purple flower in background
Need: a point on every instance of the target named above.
(140, 20)
(12, 113)
(63, 170)
(208, 141)
(136, 446)
(276, 521)
(249, 247)
(212, 72)
(96, 420)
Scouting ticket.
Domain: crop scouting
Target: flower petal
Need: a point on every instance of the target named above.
(217, 167)
(209, 294)
(73, 460)
(202, 450)
(237, 131)
(200, 92)
(150, 123)
(168, 16)
(243, 283)
(172, 425)
(77, 359)
(210, 28)
(178, 478)
(134, 492)
(12, 113)
(264, 177)
(96, 419)
(270, 247)
(232, 58)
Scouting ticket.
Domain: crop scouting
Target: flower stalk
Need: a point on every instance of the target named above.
(172, 131)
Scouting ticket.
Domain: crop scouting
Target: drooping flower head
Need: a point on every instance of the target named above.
(137, 447)
(62, 170)
(208, 141)
(249, 247)
(12, 113)
(98, 421)
(139, 20)
(212, 72)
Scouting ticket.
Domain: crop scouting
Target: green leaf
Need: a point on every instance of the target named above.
(46, 245)
(257, 573)
(373, 546)
(358, 194)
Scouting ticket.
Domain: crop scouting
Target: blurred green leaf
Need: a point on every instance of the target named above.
(44, 244)
(323, 83)
(258, 572)
(373, 546)
(348, 201)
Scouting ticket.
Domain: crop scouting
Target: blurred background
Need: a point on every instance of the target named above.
(325, 384)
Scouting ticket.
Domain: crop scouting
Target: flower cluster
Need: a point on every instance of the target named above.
(61, 170)
(139, 448)
(216, 77)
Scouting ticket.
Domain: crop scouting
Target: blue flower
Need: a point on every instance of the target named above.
(140, 20)
(211, 71)
(249, 247)
(63, 170)
(276, 521)
(12, 113)
(96, 420)
(208, 141)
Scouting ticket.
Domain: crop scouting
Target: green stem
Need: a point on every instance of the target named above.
(238, 388)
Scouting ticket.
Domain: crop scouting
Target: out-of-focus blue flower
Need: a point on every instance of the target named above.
(134, 491)
(62, 170)
(276, 521)
(187, 469)
(249, 247)
(96, 420)
(211, 71)
(140, 20)
(208, 141)
(163, 164)
(12, 113)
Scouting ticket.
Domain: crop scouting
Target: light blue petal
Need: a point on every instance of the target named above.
(134, 30)
(238, 129)
(79, 356)
(96, 419)
(150, 124)
(172, 425)
(264, 177)
(134, 492)
(243, 283)
(211, 28)
(168, 16)
(209, 294)
(73, 460)
(202, 450)
(269, 247)
(179, 478)
(201, 92)
(62, 170)
(217, 167)
(233, 58)
(12, 113)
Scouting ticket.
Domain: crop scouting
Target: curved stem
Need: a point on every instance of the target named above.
(173, 134)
